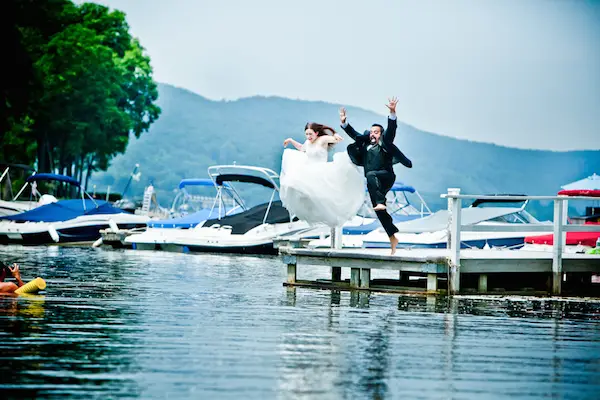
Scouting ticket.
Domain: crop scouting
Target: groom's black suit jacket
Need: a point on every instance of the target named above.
(358, 149)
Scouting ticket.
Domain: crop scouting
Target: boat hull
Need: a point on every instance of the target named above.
(89, 233)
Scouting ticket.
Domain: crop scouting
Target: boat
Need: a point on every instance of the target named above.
(431, 231)
(251, 231)
(16, 206)
(188, 211)
(575, 242)
(65, 221)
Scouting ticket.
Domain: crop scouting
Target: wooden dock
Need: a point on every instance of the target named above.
(478, 267)
(443, 270)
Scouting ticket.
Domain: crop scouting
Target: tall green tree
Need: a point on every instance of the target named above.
(91, 87)
(24, 26)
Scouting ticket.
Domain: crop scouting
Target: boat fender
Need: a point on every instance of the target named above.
(97, 243)
(53, 234)
(33, 286)
(113, 225)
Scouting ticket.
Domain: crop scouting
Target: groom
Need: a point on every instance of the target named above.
(375, 151)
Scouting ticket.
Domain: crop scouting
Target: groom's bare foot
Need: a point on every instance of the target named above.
(379, 207)
(393, 243)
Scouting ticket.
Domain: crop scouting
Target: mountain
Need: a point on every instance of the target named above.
(194, 132)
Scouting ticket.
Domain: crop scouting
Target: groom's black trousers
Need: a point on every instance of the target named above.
(378, 184)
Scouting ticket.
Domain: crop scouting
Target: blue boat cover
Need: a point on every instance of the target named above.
(195, 182)
(63, 210)
(52, 177)
(104, 208)
(400, 187)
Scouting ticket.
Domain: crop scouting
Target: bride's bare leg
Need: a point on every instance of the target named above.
(393, 243)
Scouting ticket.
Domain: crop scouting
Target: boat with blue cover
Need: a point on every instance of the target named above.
(65, 221)
(161, 232)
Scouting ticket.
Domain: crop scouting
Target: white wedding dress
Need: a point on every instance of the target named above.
(318, 191)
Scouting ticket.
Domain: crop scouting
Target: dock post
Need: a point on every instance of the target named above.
(559, 239)
(365, 278)
(354, 277)
(454, 225)
(483, 283)
(336, 243)
(291, 273)
(291, 268)
(432, 283)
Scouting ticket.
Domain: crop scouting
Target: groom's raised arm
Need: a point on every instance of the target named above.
(346, 126)
(390, 133)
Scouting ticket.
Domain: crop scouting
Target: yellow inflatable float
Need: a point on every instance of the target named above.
(33, 286)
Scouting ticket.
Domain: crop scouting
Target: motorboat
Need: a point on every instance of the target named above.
(432, 232)
(16, 205)
(576, 242)
(250, 231)
(65, 221)
(190, 210)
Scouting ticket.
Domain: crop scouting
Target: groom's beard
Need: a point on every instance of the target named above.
(373, 140)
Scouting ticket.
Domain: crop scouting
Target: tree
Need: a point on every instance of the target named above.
(22, 25)
(92, 86)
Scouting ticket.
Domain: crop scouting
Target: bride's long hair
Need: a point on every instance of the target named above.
(321, 130)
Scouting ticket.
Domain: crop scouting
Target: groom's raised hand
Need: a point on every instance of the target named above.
(343, 115)
(392, 105)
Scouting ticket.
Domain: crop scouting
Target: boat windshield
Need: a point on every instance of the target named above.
(397, 204)
(519, 217)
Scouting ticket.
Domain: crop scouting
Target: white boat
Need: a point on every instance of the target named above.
(65, 221)
(16, 206)
(431, 231)
(250, 231)
(160, 233)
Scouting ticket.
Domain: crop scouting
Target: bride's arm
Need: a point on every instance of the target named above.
(297, 145)
(326, 139)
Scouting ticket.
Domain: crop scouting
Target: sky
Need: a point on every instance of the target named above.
(520, 73)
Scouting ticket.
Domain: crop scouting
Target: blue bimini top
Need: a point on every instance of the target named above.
(64, 210)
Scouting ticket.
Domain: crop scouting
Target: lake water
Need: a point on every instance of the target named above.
(126, 324)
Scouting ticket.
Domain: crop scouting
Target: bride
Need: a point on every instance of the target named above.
(315, 190)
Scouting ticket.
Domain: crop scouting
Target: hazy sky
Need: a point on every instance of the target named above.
(522, 73)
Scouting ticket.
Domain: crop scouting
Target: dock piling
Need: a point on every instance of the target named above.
(482, 286)
(336, 243)
(454, 224)
(365, 278)
(560, 218)
(355, 278)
